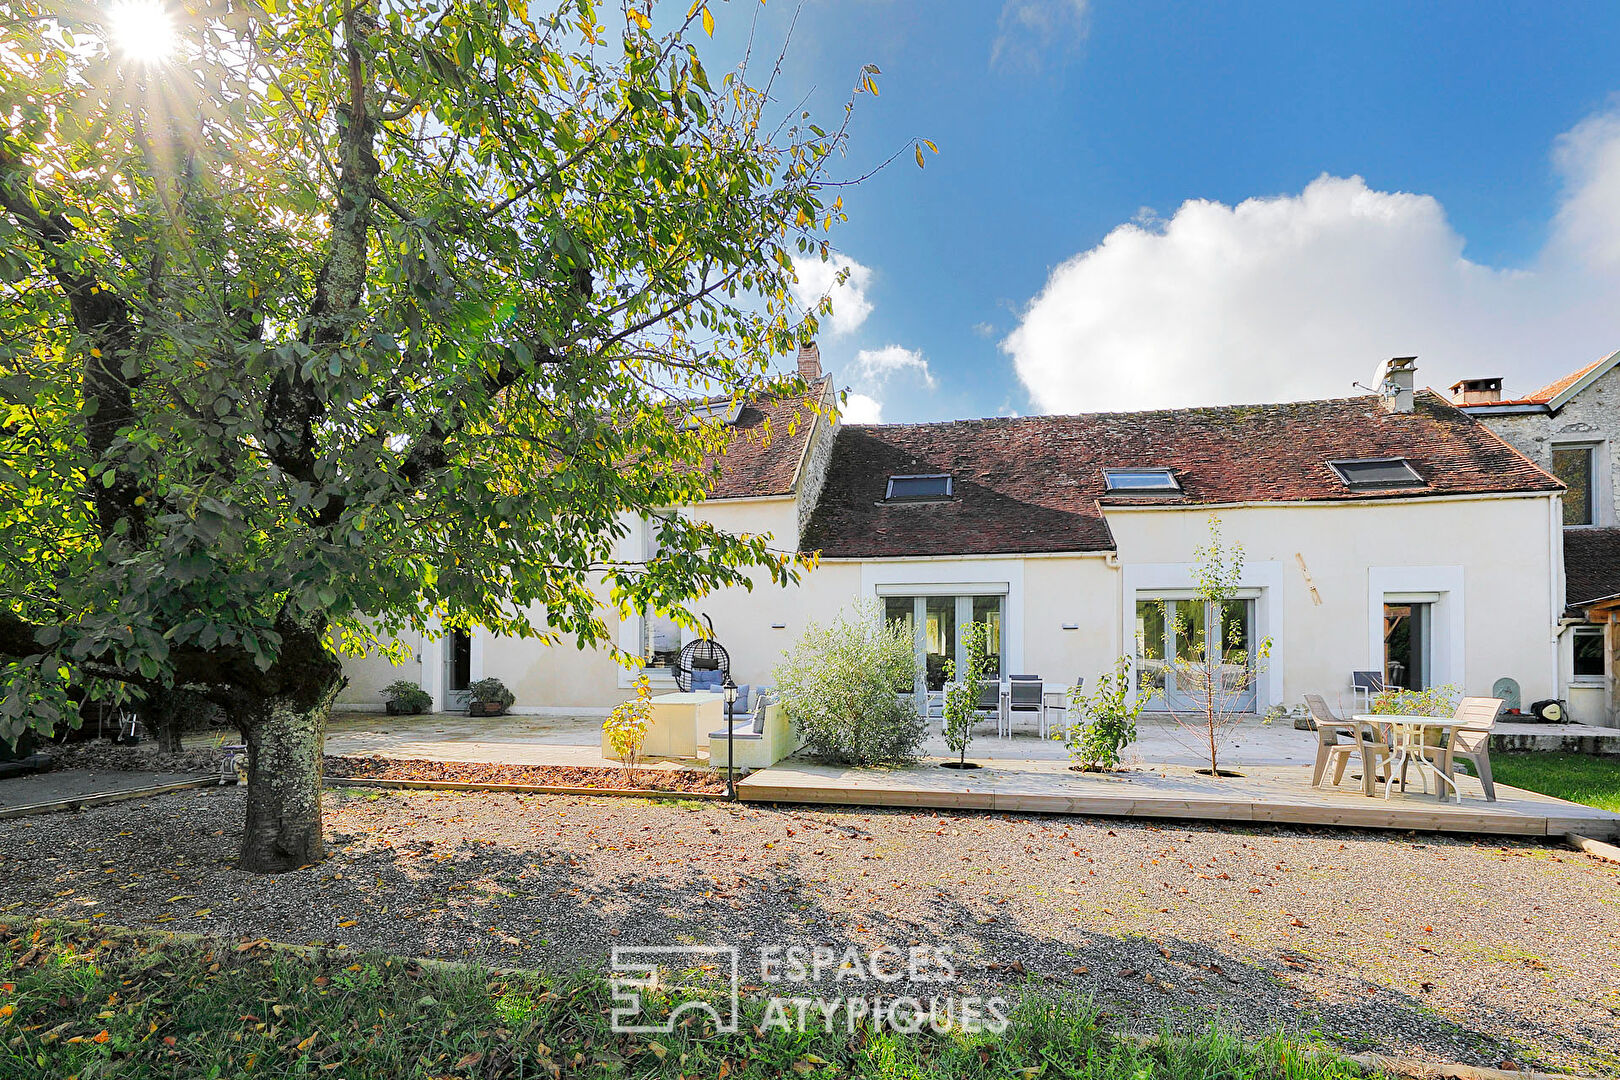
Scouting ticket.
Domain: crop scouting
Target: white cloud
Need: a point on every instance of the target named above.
(1298, 296)
(860, 409)
(820, 278)
(1029, 32)
(875, 367)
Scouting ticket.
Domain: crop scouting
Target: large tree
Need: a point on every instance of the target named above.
(348, 317)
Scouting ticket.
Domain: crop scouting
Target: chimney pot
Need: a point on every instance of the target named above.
(1396, 379)
(810, 360)
(1476, 391)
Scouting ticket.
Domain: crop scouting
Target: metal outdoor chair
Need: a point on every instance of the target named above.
(1024, 696)
(1366, 685)
(1058, 701)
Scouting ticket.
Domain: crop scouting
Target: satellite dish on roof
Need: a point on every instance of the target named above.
(1508, 691)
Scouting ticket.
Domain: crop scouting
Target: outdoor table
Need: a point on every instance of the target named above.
(680, 723)
(1408, 735)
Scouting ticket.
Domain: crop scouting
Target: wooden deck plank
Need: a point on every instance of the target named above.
(1279, 795)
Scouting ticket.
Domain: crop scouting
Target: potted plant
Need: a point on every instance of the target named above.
(962, 694)
(488, 697)
(406, 699)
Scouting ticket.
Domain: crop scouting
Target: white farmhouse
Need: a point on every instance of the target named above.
(1391, 533)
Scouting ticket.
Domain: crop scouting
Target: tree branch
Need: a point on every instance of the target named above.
(108, 326)
(293, 405)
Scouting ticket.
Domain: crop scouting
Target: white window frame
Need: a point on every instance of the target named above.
(1260, 581)
(633, 629)
(1601, 633)
(1441, 587)
(1600, 478)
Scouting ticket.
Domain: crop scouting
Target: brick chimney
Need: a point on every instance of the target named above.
(810, 361)
(1476, 391)
(1395, 380)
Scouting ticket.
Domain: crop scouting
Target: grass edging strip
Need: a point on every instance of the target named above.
(75, 802)
(1390, 1065)
(1370, 1063)
(534, 789)
(112, 931)
(1595, 848)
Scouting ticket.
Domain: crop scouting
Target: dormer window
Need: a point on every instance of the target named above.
(1376, 474)
(1141, 481)
(919, 488)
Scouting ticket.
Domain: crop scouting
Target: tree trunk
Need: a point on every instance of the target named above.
(173, 713)
(168, 737)
(285, 731)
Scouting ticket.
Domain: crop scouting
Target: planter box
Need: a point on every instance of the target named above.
(485, 708)
(393, 708)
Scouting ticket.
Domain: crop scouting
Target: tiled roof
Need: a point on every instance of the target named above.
(767, 446)
(1547, 393)
(1553, 389)
(1591, 565)
(1035, 484)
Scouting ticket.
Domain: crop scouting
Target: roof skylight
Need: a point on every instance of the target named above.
(1141, 481)
(723, 409)
(921, 487)
(1372, 474)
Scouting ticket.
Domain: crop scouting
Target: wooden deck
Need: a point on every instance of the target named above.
(1275, 794)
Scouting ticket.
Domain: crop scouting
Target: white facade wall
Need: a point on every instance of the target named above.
(562, 678)
(1492, 565)
(1319, 574)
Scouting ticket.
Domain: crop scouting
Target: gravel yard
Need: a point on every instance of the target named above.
(1436, 947)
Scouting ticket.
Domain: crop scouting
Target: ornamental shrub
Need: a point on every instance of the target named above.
(838, 686)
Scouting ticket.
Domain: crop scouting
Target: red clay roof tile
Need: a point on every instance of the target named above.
(756, 465)
(1035, 484)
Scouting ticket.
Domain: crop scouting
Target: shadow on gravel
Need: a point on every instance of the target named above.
(521, 898)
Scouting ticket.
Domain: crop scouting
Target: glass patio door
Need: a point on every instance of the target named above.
(1185, 630)
(457, 670)
(936, 623)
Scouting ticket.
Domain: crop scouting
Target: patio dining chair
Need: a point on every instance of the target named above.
(1057, 701)
(1024, 696)
(990, 703)
(1472, 741)
(1368, 743)
(1366, 685)
(1328, 730)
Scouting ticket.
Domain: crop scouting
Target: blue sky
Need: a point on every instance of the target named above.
(1484, 234)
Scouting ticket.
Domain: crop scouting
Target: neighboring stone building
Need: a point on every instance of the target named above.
(1572, 429)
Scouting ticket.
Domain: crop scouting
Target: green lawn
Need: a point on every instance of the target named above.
(1581, 778)
(73, 1003)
